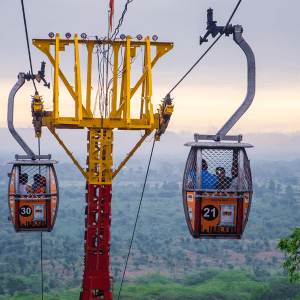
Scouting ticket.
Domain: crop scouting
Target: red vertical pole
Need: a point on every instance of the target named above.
(97, 283)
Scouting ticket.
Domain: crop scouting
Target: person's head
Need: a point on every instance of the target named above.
(37, 177)
(43, 182)
(204, 165)
(220, 172)
(234, 171)
(23, 178)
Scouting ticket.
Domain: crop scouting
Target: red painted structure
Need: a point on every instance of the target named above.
(97, 283)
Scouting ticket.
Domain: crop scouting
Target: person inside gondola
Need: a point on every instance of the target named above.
(36, 179)
(223, 180)
(42, 188)
(24, 188)
(235, 179)
(208, 180)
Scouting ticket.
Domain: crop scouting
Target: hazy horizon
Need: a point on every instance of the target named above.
(267, 146)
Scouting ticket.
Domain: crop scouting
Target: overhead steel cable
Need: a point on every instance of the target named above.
(42, 272)
(39, 145)
(221, 33)
(28, 48)
(137, 216)
(116, 31)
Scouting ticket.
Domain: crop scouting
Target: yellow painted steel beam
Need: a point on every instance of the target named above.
(148, 95)
(90, 47)
(78, 101)
(127, 81)
(55, 84)
(129, 155)
(136, 124)
(116, 48)
(103, 42)
(99, 159)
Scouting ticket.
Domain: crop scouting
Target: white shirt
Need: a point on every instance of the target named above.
(22, 189)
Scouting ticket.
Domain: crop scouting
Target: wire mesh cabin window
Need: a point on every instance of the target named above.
(221, 169)
(32, 180)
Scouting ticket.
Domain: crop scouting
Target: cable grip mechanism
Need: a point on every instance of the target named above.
(40, 76)
(213, 29)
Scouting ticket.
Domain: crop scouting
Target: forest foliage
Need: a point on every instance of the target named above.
(162, 243)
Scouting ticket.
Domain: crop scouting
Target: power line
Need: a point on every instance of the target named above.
(28, 48)
(137, 216)
(116, 31)
(221, 33)
(175, 86)
(42, 273)
(39, 144)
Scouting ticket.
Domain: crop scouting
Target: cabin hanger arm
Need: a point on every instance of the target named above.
(237, 36)
(221, 134)
(10, 114)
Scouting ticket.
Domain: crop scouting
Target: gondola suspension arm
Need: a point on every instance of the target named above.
(237, 36)
(10, 115)
(221, 134)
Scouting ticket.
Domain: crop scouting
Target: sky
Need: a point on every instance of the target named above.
(210, 93)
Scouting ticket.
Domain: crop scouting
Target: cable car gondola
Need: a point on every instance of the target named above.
(217, 184)
(33, 194)
(217, 189)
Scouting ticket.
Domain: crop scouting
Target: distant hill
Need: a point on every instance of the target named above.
(267, 146)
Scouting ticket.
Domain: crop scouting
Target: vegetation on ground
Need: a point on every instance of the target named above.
(162, 244)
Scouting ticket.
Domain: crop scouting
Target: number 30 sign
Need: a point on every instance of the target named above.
(25, 211)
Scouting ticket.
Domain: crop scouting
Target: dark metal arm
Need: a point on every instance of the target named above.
(237, 36)
(10, 114)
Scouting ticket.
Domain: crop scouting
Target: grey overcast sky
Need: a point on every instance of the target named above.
(214, 89)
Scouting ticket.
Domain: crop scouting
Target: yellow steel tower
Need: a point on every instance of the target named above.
(97, 282)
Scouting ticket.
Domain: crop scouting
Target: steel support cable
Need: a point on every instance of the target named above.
(116, 31)
(137, 216)
(28, 48)
(221, 33)
(42, 273)
(42, 266)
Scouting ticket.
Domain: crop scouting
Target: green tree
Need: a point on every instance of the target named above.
(249, 258)
(201, 277)
(274, 260)
(278, 188)
(289, 190)
(21, 263)
(14, 284)
(2, 291)
(116, 271)
(52, 264)
(272, 186)
(291, 245)
(136, 264)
